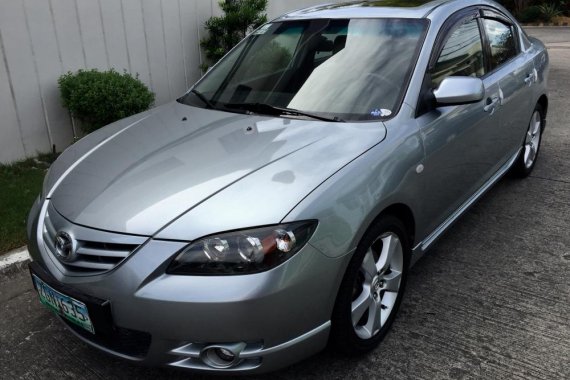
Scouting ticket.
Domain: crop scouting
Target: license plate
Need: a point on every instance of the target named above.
(71, 309)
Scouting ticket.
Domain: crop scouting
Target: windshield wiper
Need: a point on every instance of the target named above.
(275, 110)
(203, 98)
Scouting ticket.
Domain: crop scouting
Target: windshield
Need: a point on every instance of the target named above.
(349, 70)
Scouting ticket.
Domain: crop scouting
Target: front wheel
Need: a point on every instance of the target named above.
(531, 146)
(372, 288)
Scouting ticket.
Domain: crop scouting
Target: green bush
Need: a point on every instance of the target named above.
(100, 98)
(549, 11)
(522, 9)
(530, 14)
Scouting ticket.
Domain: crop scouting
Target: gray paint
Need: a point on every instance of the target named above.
(173, 181)
(191, 161)
(462, 316)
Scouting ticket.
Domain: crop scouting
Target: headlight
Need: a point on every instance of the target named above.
(243, 252)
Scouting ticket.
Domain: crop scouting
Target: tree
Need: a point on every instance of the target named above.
(520, 5)
(240, 17)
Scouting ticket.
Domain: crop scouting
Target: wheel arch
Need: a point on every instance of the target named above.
(543, 101)
(405, 214)
(343, 336)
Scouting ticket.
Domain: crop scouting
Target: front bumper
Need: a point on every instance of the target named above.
(278, 317)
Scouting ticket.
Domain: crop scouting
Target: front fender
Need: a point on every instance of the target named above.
(347, 203)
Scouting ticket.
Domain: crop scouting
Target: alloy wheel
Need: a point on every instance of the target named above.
(377, 285)
(532, 141)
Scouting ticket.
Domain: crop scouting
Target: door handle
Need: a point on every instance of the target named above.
(492, 104)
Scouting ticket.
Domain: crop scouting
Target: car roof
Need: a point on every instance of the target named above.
(368, 9)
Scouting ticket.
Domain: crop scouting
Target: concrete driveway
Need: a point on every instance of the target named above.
(491, 300)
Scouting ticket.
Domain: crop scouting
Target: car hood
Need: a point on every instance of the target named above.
(139, 175)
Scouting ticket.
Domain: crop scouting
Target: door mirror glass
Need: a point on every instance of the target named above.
(459, 90)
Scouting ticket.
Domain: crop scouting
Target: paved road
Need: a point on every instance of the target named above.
(492, 300)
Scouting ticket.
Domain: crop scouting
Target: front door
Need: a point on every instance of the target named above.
(459, 140)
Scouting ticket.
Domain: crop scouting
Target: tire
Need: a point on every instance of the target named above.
(378, 296)
(526, 161)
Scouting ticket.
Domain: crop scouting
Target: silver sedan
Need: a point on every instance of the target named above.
(277, 206)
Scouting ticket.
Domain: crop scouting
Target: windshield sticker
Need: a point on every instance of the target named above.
(263, 29)
(380, 113)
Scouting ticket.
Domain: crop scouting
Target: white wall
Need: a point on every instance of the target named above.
(42, 39)
(278, 7)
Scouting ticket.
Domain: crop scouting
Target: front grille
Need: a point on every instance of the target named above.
(123, 341)
(100, 253)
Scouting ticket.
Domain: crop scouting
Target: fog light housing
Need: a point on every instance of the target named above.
(225, 354)
(222, 356)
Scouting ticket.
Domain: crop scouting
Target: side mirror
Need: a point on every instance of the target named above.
(459, 90)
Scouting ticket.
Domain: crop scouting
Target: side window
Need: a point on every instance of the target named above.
(462, 54)
(501, 40)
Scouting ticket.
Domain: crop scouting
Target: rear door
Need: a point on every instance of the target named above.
(514, 70)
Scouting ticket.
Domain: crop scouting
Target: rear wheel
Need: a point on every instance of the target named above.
(531, 146)
(372, 289)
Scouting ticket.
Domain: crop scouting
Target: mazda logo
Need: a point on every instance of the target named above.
(65, 247)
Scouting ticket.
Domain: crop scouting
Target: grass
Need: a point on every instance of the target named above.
(20, 184)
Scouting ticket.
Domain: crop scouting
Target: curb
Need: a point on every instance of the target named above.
(14, 261)
(553, 25)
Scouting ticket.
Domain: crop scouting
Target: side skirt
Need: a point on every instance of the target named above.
(423, 246)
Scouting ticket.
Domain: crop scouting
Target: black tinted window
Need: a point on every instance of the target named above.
(353, 69)
(502, 41)
(462, 54)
